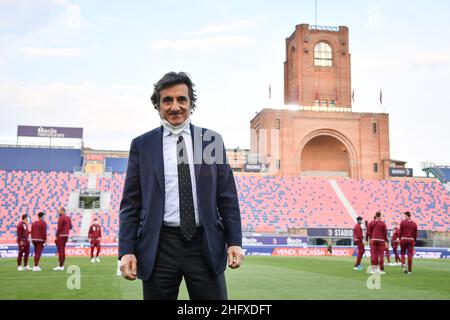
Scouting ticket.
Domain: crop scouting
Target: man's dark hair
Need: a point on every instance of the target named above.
(378, 214)
(169, 80)
(24, 216)
(359, 219)
(41, 214)
(408, 214)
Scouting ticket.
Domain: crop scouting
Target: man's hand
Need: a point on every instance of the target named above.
(235, 257)
(128, 266)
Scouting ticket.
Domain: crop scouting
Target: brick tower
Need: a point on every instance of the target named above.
(318, 134)
(317, 67)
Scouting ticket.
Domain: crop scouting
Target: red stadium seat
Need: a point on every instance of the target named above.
(268, 204)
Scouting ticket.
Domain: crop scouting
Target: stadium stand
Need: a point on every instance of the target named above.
(268, 204)
(110, 219)
(446, 172)
(440, 172)
(428, 201)
(110, 224)
(271, 204)
(28, 192)
(118, 165)
(42, 159)
(114, 185)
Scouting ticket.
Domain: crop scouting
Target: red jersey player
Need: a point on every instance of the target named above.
(378, 239)
(395, 241)
(358, 237)
(38, 236)
(95, 236)
(388, 254)
(369, 226)
(62, 234)
(23, 243)
(408, 236)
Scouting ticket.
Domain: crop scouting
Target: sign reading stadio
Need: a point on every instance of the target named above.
(348, 233)
(327, 232)
(49, 132)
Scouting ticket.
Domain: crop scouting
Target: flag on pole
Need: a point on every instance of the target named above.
(381, 96)
(353, 96)
(270, 92)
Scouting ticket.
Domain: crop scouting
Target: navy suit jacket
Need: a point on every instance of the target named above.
(142, 205)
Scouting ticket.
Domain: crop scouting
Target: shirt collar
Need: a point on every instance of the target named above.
(186, 130)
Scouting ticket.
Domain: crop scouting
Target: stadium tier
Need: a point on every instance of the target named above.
(114, 186)
(276, 204)
(118, 165)
(440, 172)
(28, 192)
(41, 159)
(445, 173)
(109, 220)
(428, 201)
(268, 204)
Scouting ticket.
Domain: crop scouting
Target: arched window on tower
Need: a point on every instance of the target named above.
(323, 55)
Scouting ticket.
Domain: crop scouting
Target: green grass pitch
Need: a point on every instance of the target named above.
(259, 278)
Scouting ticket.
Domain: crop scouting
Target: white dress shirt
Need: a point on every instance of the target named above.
(172, 204)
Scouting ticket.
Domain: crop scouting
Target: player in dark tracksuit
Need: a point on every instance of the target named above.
(62, 234)
(23, 243)
(95, 236)
(39, 237)
(408, 236)
(358, 237)
(378, 239)
(395, 241)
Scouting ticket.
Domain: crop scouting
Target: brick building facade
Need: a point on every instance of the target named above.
(322, 136)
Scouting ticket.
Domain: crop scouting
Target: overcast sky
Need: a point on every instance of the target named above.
(93, 63)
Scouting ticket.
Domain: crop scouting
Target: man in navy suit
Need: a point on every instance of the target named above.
(179, 214)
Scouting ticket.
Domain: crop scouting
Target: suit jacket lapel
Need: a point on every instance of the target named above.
(156, 153)
(197, 143)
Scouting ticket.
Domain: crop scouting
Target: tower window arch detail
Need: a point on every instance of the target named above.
(323, 55)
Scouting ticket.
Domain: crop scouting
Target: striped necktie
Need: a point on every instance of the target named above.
(187, 215)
